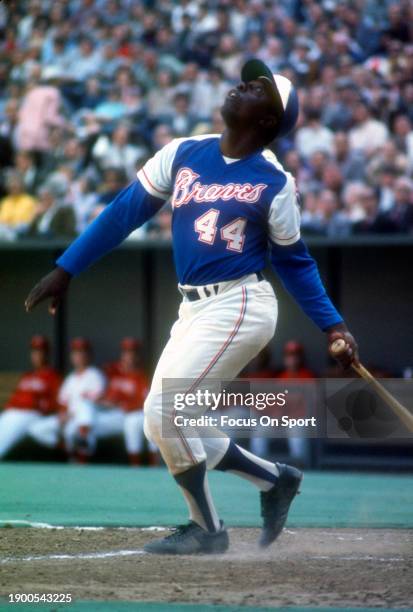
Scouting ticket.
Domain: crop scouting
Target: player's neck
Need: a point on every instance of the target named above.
(237, 144)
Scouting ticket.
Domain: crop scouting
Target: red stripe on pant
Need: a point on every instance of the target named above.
(211, 365)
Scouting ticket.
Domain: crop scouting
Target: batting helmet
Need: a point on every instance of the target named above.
(283, 91)
(39, 342)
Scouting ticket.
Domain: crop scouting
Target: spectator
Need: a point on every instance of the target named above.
(160, 97)
(351, 163)
(399, 218)
(162, 134)
(84, 199)
(403, 131)
(40, 110)
(327, 219)
(51, 219)
(114, 180)
(118, 152)
(25, 166)
(85, 60)
(209, 94)
(17, 208)
(110, 62)
(313, 136)
(34, 397)
(182, 121)
(8, 128)
(369, 212)
(368, 134)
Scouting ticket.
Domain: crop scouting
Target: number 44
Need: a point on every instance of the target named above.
(233, 233)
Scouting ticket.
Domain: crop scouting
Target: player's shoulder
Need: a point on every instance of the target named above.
(189, 143)
(271, 161)
(94, 372)
(50, 371)
(284, 178)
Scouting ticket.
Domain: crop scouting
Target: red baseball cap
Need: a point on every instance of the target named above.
(80, 344)
(130, 344)
(292, 347)
(39, 342)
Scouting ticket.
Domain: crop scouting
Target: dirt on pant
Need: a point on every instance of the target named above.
(305, 567)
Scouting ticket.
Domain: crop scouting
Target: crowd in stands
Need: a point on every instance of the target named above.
(89, 89)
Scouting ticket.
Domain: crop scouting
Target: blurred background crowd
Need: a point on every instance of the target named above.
(89, 89)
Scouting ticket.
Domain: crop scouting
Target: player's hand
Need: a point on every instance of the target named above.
(53, 285)
(350, 354)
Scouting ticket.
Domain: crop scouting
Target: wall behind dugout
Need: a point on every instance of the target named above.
(133, 292)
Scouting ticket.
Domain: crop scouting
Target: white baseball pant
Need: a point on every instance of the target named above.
(46, 431)
(15, 424)
(104, 422)
(214, 337)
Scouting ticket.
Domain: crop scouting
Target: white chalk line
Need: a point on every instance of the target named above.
(55, 557)
(22, 523)
(358, 558)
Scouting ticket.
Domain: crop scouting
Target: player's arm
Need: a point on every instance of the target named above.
(299, 273)
(133, 206)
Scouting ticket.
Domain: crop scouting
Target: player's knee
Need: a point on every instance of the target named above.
(153, 419)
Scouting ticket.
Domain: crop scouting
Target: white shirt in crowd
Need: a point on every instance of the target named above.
(368, 136)
(310, 139)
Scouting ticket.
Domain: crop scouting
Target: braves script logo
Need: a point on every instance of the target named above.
(187, 189)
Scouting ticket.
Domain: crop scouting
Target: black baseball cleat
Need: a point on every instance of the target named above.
(276, 502)
(190, 539)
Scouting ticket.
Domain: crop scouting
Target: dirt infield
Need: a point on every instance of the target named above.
(306, 567)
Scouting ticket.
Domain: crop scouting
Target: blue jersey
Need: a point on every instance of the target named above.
(224, 211)
(226, 214)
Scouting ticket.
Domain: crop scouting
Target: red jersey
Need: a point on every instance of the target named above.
(126, 389)
(37, 390)
(300, 373)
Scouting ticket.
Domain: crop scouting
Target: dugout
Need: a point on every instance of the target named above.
(133, 292)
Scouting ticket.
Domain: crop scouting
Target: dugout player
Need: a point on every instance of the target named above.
(233, 204)
(34, 397)
(123, 402)
(74, 426)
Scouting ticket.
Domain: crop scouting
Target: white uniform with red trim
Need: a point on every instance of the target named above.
(78, 393)
(224, 213)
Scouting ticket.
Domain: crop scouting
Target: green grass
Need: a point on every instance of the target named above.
(120, 496)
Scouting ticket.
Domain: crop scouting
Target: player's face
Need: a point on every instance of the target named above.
(128, 360)
(292, 362)
(247, 104)
(79, 359)
(38, 358)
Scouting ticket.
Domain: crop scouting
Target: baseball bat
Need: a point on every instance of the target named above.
(339, 346)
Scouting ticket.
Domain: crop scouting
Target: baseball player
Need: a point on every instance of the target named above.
(77, 396)
(233, 204)
(80, 390)
(123, 403)
(34, 397)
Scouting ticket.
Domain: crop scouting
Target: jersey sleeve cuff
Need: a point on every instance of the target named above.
(286, 241)
(150, 187)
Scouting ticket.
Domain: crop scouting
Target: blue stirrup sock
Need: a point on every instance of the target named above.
(194, 485)
(262, 473)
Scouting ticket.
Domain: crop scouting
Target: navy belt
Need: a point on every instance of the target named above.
(192, 295)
